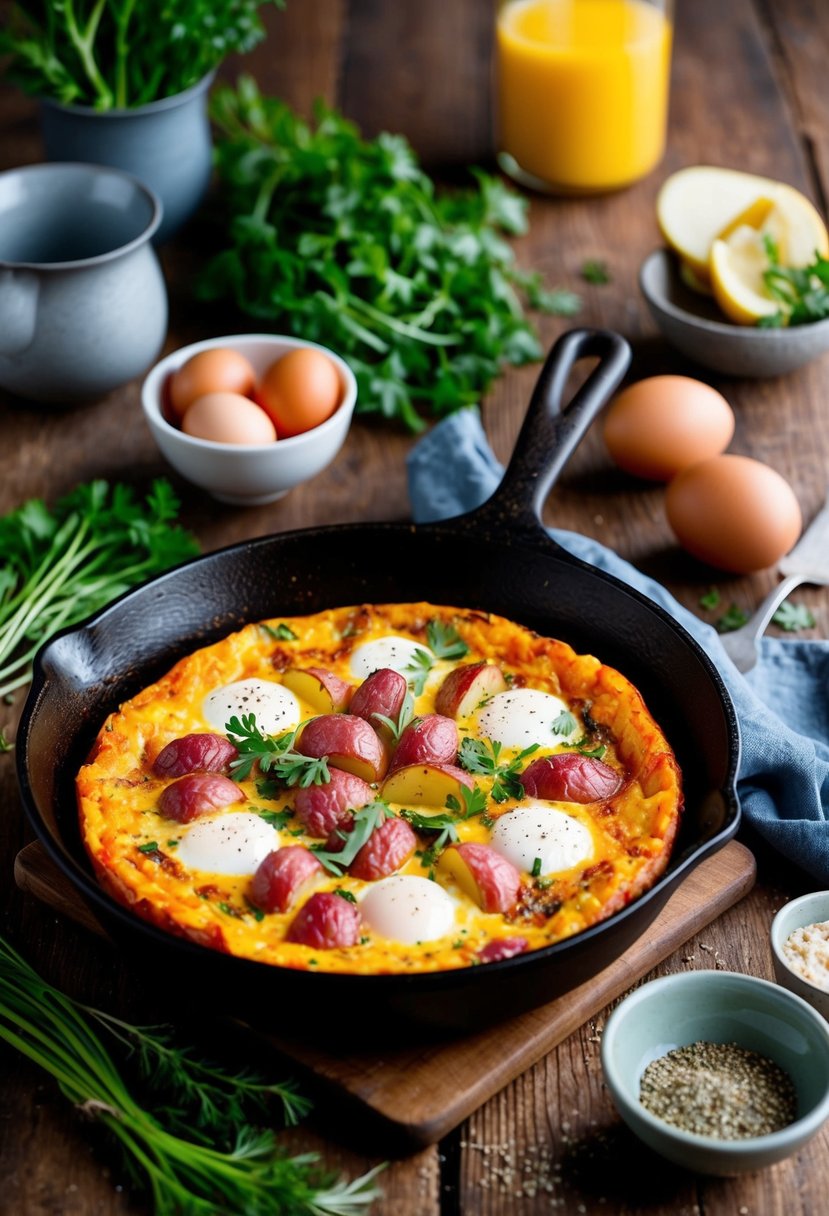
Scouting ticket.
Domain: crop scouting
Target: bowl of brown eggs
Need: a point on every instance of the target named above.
(248, 417)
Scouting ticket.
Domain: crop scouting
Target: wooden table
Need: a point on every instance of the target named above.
(748, 92)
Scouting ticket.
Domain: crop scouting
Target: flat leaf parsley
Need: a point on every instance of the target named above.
(346, 242)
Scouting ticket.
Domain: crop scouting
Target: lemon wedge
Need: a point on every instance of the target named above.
(700, 204)
(736, 267)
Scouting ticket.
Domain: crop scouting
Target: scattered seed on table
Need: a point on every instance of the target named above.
(719, 1089)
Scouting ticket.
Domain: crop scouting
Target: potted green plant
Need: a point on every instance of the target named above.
(125, 82)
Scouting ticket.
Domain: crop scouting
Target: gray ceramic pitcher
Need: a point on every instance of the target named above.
(83, 303)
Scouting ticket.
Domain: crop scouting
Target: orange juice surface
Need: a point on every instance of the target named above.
(582, 89)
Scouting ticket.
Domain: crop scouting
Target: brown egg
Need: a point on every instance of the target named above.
(299, 391)
(734, 513)
(662, 424)
(228, 418)
(218, 370)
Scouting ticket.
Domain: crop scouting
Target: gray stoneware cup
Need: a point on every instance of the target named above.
(83, 303)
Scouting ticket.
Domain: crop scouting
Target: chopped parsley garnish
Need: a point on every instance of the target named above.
(343, 894)
(802, 291)
(403, 718)
(273, 755)
(710, 600)
(482, 756)
(536, 870)
(417, 671)
(445, 642)
(150, 847)
(277, 819)
(366, 819)
(564, 724)
(280, 632)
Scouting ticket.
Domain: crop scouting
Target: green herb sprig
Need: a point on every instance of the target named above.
(802, 291)
(366, 820)
(405, 716)
(444, 643)
(183, 1175)
(483, 756)
(60, 565)
(345, 241)
(121, 53)
(793, 617)
(273, 754)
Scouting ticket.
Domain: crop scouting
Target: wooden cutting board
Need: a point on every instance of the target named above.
(414, 1095)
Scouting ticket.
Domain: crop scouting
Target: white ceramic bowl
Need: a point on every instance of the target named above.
(806, 910)
(693, 324)
(248, 474)
(719, 1007)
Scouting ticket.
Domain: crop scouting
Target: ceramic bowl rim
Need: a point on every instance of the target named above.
(776, 938)
(155, 377)
(727, 330)
(80, 168)
(802, 1127)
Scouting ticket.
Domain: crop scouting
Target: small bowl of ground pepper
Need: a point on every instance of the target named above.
(718, 1072)
(800, 948)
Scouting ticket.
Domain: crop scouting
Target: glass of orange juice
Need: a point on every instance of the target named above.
(581, 91)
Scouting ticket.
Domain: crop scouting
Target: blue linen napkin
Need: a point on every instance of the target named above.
(782, 704)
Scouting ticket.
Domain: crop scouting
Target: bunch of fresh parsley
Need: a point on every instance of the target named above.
(60, 565)
(115, 54)
(345, 241)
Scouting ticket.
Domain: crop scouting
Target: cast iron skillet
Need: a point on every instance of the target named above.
(498, 558)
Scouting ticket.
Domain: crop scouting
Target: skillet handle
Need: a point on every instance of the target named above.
(551, 432)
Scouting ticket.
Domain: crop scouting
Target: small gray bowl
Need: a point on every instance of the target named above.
(719, 1007)
(694, 325)
(806, 910)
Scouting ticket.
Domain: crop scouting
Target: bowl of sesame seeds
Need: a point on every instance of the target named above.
(716, 1071)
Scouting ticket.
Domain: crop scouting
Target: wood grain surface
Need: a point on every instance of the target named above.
(748, 91)
(415, 1094)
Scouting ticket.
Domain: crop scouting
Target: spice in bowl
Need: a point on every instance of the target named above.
(721, 1090)
(806, 951)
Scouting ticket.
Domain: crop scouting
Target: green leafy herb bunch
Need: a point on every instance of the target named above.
(116, 54)
(346, 241)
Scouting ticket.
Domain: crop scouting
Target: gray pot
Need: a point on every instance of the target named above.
(166, 144)
(83, 304)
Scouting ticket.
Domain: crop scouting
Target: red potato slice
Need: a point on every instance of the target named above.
(322, 808)
(426, 785)
(196, 794)
(502, 947)
(381, 693)
(280, 877)
(198, 753)
(430, 739)
(569, 777)
(466, 687)
(491, 881)
(348, 742)
(326, 921)
(388, 847)
(318, 687)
